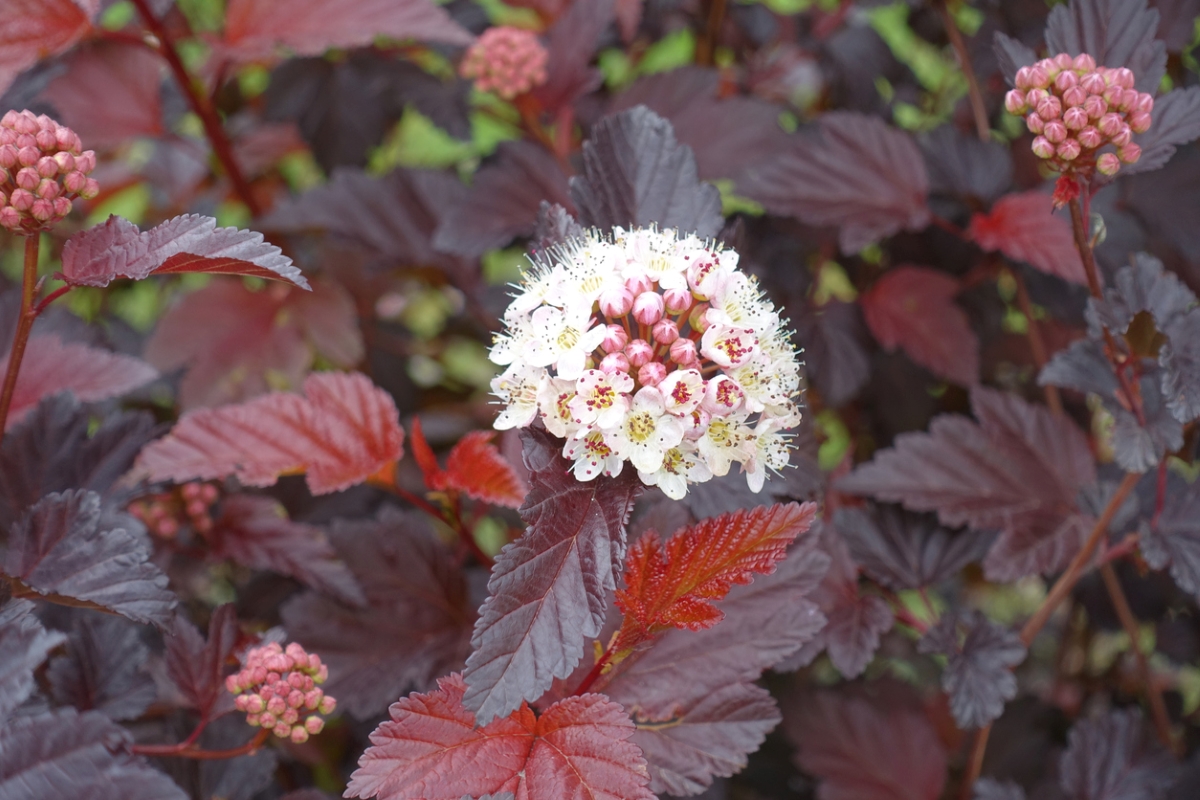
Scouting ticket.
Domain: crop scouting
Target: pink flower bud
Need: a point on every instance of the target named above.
(1075, 96)
(615, 339)
(276, 705)
(46, 140)
(1034, 123)
(1090, 138)
(1123, 77)
(665, 331)
(66, 139)
(10, 218)
(1110, 124)
(1021, 80)
(328, 704)
(1145, 102)
(266, 720)
(1014, 102)
(231, 683)
(639, 352)
(91, 189)
(1075, 118)
(639, 284)
(1123, 137)
(28, 178)
(8, 156)
(677, 301)
(299, 736)
(1112, 96)
(314, 725)
(9, 120)
(1084, 63)
(1042, 147)
(1093, 83)
(75, 182)
(1130, 153)
(21, 200)
(47, 167)
(616, 302)
(65, 161)
(26, 124)
(1095, 107)
(1064, 61)
(25, 140)
(62, 207)
(28, 156)
(1139, 121)
(1050, 108)
(295, 699)
(652, 373)
(1108, 164)
(313, 698)
(683, 351)
(43, 211)
(1039, 78)
(698, 317)
(614, 362)
(1055, 131)
(85, 162)
(1129, 98)
(281, 729)
(291, 716)
(648, 308)
(1068, 150)
(1035, 96)
(1066, 79)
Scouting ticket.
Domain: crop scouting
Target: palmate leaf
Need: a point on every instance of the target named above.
(51, 366)
(549, 589)
(1023, 227)
(1114, 757)
(674, 584)
(474, 467)
(692, 695)
(861, 175)
(60, 548)
(68, 754)
(433, 749)
(913, 308)
(24, 645)
(978, 677)
(197, 665)
(1172, 539)
(34, 29)
(104, 669)
(191, 243)
(344, 430)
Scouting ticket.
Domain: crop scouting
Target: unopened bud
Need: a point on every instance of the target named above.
(62, 206)
(1112, 96)
(1068, 150)
(47, 167)
(1066, 79)
(48, 189)
(10, 218)
(1139, 121)
(1123, 137)
(1090, 138)
(1084, 63)
(75, 182)
(1110, 124)
(328, 704)
(46, 140)
(1035, 123)
(28, 156)
(1021, 80)
(665, 331)
(1014, 102)
(1093, 83)
(85, 162)
(1075, 118)
(1145, 102)
(1075, 96)
(1042, 147)
(1038, 77)
(683, 351)
(1123, 77)
(1108, 164)
(21, 200)
(639, 284)
(1130, 153)
(314, 725)
(1095, 107)
(615, 339)
(648, 308)
(1064, 61)
(677, 301)
(652, 373)
(28, 178)
(1050, 108)
(614, 362)
(1035, 96)
(299, 736)
(698, 317)
(639, 352)
(1055, 131)
(42, 210)
(91, 189)
(616, 302)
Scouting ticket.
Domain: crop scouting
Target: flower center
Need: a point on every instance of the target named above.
(640, 426)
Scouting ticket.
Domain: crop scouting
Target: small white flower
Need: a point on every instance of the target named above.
(554, 401)
(681, 466)
(518, 388)
(601, 398)
(727, 346)
(592, 457)
(771, 451)
(562, 338)
(651, 253)
(682, 391)
(738, 302)
(726, 440)
(646, 432)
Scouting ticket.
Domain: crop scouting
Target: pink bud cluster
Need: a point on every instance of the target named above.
(278, 690)
(1074, 108)
(190, 504)
(507, 61)
(44, 167)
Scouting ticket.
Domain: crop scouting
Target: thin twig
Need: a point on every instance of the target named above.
(184, 750)
(1036, 343)
(24, 325)
(1158, 708)
(975, 761)
(201, 106)
(964, 61)
(706, 48)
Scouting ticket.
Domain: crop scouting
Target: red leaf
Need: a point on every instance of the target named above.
(191, 243)
(424, 456)
(109, 93)
(549, 589)
(432, 750)
(674, 585)
(345, 430)
(862, 175)
(1023, 227)
(256, 29)
(255, 531)
(268, 333)
(913, 308)
(52, 366)
(34, 29)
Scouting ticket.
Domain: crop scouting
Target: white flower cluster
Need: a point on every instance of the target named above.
(650, 348)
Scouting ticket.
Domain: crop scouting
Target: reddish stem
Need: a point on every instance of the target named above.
(185, 750)
(452, 521)
(50, 298)
(201, 106)
(596, 670)
(978, 109)
(24, 325)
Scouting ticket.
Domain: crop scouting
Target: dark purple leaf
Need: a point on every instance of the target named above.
(860, 175)
(636, 174)
(1173, 539)
(697, 711)
(415, 628)
(549, 589)
(725, 134)
(34, 29)
(554, 226)
(1142, 286)
(1117, 33)
(571, 43)
(60, 548)
(961, 165)
(978, 675)
(103, 669)
(1180, 359)
(1018, 470)
(860, 750)
(503, 201)
(1115, 757)
(1176, 22)
(1011, 55)
(255, 531)
(68, 754)
(833, 337)
(24, 645)
(1176, 121)
(191, 243)
(903, 550)
(197, 666)
(54, 449)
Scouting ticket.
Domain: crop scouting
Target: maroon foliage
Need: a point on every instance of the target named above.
(1024, 228)
(109, 93)
(197, 665)
(32, 29)
(24, 645)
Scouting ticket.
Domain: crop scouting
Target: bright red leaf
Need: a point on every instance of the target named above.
(191, 243)
(913, 308)
(474, 467)
(256, 29)
(1023, 227)
(433, 750)
(342, 432)
(34, 29)
(109, 93)
(51, 366)
(673, 585)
